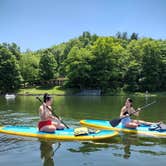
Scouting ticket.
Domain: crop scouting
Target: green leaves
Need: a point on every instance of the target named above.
(89, 61)
(78, 67)
(9, 71)
(29, 67)
(47, 66)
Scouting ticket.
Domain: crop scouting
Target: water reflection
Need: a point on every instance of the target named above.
(47, 152)
(123, 148)
(127, 141)
(87, 147)
(133, 143)
(94, 146)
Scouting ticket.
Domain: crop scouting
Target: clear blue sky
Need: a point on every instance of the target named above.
(36, 24)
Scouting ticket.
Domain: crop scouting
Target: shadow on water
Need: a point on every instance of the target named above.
(48, 152)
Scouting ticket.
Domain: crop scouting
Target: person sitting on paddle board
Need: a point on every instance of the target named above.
(48, 122)
(126, 110)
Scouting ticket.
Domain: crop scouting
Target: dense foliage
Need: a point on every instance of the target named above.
(10, 77)
(89, 61)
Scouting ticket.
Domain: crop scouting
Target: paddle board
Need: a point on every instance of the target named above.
(65, 134)
(103, 124)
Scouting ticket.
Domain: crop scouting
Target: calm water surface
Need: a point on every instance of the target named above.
(121, 150)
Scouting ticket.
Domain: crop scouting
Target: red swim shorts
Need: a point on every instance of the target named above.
(44, 123)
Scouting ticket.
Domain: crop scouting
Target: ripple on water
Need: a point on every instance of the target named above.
(16, 143)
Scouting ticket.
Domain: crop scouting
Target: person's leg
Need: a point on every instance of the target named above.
(136, 121)
(148, 123)
(48, 128)
(58, 125)
(132, 125)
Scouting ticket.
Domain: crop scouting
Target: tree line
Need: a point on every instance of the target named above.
(89, 62)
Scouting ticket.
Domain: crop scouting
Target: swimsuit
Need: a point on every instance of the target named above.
(125, 120)
(44, 123)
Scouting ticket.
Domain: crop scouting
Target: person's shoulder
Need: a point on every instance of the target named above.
(41, 107)
(50, 108)
(123, 108)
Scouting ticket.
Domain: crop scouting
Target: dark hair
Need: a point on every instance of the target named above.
(46, 97)
(130, 100)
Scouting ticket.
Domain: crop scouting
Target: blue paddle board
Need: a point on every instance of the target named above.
(65, 134)
(103, 124)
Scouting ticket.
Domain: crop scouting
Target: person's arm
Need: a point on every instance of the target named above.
(122, 112)
(45, 113)
(136, 113)
(53, 117)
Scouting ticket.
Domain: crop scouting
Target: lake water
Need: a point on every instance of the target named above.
(125, 149)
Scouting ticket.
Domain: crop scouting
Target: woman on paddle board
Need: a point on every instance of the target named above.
(126, 110)
(48, 122)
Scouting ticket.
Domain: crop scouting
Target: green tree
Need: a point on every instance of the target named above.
(162, 65)
(9, 71)
(78, 67)
(29, 67)
(122, 35)
(132, 76)
(134, 36)
(14, 49)
(47, 66)
(60, 56)
(107, 65)
(150, 67)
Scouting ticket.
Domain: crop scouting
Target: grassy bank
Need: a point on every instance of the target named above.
(57, 90)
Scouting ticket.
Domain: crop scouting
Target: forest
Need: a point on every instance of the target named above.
(89, 61)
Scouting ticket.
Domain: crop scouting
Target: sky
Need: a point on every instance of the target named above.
(38, 24)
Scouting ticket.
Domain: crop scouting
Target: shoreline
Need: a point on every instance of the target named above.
(140, 94)
(59, 91)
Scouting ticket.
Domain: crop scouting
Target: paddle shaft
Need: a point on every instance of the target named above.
(143, 107)
(53, 113)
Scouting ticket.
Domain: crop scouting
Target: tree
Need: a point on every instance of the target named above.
(107, 64)
(47, 66)
(60, 56)
(14, 49)
(29, 67)
(78, 67)
(85, 39)
(134, 36)
(9, 71)
(133, 66)
(162, 65)
(131, 77)
(122, 35)
(150, 67)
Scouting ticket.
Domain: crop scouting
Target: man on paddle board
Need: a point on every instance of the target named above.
(48, 122)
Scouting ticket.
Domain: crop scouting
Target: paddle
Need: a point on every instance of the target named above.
(115, 122)
(52, 112)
